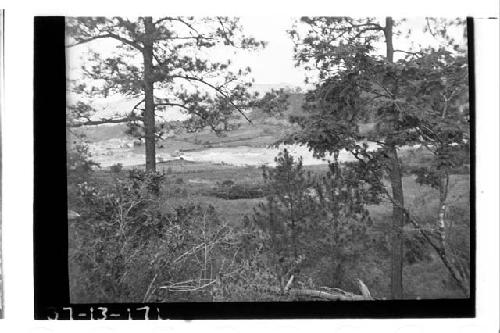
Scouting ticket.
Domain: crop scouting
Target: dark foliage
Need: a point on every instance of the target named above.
(124, 249)
(307, 221)
(237, 191)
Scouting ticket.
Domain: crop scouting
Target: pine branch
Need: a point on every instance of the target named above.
(103, 121)
(361, 32)
(217, 89)
(180, 20)
(373, 26)
(173, 104)
(409, 52)
(137, 105)
(107, 35)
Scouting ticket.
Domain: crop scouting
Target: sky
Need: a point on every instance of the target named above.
(273, 65)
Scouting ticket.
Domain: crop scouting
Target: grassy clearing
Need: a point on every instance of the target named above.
(260, 133)
(189, 182)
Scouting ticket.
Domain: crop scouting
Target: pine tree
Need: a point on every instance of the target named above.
(158, 59)
(418, 99)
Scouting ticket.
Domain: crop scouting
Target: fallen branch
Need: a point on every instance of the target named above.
(328, 296)
(333, 294)
(187, 287)
(146, 295)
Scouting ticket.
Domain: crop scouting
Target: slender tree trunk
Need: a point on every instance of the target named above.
(388, 39)
(398, 221)
(149, 112)
(458, 275)
(398, 214)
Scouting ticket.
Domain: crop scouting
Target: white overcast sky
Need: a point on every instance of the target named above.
(271, 65)
(275, 63)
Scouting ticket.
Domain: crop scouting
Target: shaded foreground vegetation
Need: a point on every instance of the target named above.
(206, 232)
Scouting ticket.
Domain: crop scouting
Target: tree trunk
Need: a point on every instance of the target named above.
(395, 175)
(451, 264)
(388, 39)
(398, 221)
(149, 107)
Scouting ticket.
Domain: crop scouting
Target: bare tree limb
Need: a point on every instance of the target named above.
(146, 295)
(108, 35)
(101, 121)
(187, 288)
(328, 295)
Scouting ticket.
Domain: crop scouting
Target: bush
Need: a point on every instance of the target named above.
(179, 181)
(150, 180)
(124, 248)
(237, 191)
(116, 168)
(79, 160)
(228, 182)
(307, 219)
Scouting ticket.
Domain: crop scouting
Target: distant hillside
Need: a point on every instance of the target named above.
(262, 88)
(265, 124)
(103, 132)
(296, 101)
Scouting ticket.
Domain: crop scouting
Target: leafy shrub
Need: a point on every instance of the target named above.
(116, 168)
(416, 249)
(125, 249)
(151, 180)
(255, 278)
(237, 191)
(228, 182)
(79, 159)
